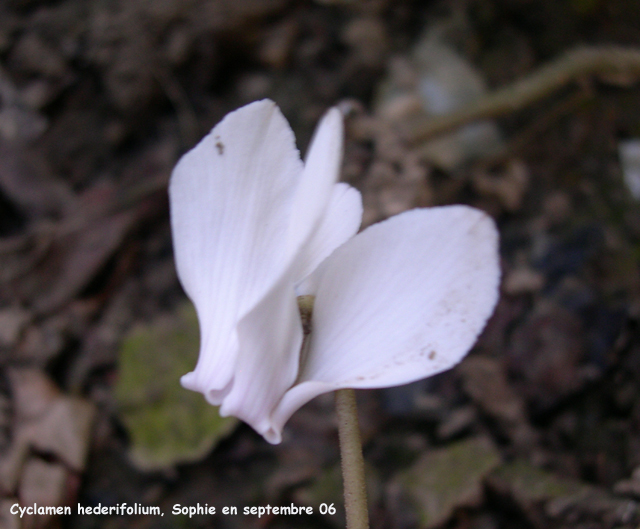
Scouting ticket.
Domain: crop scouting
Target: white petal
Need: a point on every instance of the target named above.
(297, 397)
(403, 300)
(321, 172)
(231, 200)
(270, 337)
(340, 222)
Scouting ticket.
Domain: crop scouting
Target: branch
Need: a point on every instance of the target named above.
(610, 62)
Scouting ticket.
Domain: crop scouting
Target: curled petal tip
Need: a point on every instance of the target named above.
(188, 381)
(273, 436)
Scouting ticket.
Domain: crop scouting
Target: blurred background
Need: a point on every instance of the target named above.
(528, 109)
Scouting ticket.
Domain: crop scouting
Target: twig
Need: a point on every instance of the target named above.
(526, 136)
(609, 62)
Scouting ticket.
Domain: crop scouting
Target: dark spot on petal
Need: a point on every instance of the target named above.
(220, 147)
(432, 355)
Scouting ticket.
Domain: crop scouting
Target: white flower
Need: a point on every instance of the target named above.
(254, 227)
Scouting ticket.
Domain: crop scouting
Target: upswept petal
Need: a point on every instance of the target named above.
(403, 300)
(231, 202)
(323, 215)
(340, 222)
(321, 172)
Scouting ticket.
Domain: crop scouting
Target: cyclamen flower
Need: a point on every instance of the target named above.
(254, 227)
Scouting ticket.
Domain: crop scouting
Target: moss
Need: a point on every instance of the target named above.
(447, 478)
(167, 424)
(532, 484)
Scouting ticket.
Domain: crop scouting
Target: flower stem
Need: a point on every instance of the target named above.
(355, 493)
